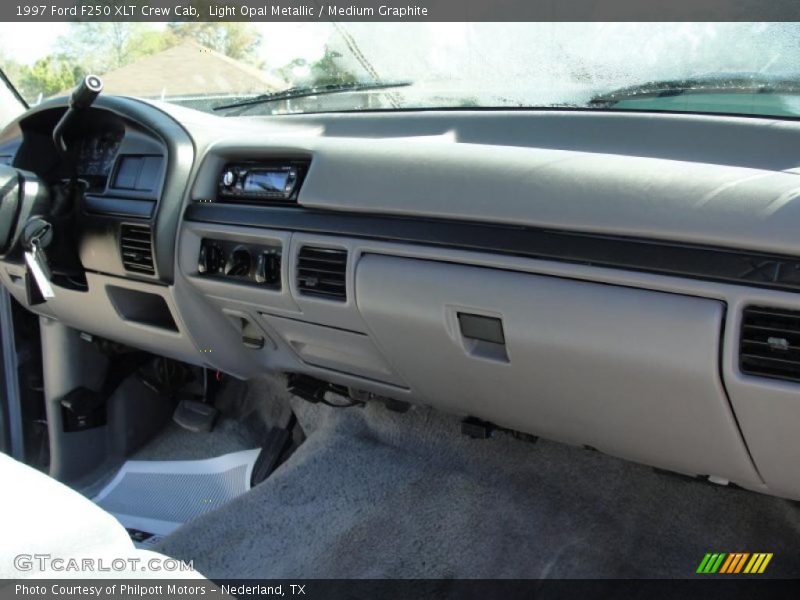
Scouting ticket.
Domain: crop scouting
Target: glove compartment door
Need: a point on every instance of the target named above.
(631, 372)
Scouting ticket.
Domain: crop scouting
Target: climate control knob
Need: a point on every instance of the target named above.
(239, 263)
(211, 259)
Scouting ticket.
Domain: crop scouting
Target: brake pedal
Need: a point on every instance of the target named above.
(195, 416)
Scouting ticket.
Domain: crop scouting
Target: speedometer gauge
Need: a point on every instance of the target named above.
(96, 155)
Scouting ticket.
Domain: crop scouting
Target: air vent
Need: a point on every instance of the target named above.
(770, 343)
(322, 272)
(136, 247)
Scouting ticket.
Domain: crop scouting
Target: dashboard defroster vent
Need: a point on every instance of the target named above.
(770, 343)
(322, 272)
(136, 248)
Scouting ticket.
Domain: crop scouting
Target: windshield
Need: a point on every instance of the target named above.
(736, 68)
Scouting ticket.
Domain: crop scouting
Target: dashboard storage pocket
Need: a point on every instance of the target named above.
(631, 372)
(141, 307)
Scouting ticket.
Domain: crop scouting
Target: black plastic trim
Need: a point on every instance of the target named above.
(480, 327)
(670, 258)
(122, 207)
(768, 343)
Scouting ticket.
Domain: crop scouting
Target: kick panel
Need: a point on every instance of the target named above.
(631, 372)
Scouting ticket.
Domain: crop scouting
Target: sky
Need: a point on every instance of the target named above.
(28, 42)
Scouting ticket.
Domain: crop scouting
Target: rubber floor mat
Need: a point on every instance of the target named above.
(153, 498)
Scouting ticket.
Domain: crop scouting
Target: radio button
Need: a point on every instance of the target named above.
(228, 178)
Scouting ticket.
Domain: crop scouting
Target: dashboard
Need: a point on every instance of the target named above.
(629, 281)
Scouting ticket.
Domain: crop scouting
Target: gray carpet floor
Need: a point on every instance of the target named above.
(247, 411)
(372, 493)
(176, 443)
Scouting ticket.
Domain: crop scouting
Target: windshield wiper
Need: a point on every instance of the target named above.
(13, 89)
(318, 90)
(710, 84)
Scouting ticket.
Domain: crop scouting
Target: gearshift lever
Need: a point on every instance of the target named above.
(85, 93)
(82, 98)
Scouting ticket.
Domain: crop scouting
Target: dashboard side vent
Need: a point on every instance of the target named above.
(322, 272)
(770, 343)
(136, 248)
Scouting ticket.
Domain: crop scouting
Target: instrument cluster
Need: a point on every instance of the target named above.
(96, 155)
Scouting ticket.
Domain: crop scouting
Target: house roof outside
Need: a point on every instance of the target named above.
(189, 70)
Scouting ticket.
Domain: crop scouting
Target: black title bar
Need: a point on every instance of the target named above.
(400, 10)
(394, 589)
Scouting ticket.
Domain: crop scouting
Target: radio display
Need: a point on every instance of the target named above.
(269, 181)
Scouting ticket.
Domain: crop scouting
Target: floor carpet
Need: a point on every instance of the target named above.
(372, 494)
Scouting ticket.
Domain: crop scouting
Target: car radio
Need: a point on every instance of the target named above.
(260, 182)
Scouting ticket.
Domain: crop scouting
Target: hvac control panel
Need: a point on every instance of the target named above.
(256, 264)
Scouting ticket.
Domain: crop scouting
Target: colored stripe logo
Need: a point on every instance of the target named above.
(734, 563)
